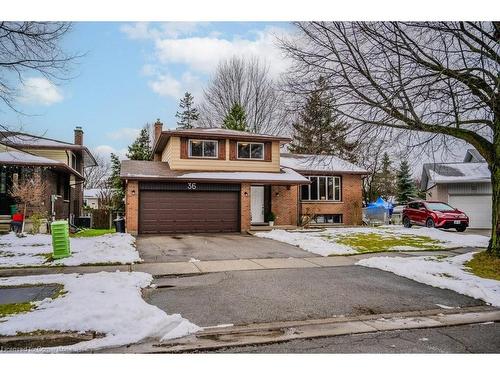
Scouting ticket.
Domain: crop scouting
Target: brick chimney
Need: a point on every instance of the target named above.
(78, 136)
(158, 129)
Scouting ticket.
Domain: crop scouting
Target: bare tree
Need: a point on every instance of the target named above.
(245, 82)
(31, 47)
(97, 176)
(31, 192)
(436, 79)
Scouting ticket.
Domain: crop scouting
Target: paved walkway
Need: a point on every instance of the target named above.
(158, 269)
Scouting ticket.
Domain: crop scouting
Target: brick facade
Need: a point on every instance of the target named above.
(132, 207)
(245, 207)
(349, 207)
(284, 204)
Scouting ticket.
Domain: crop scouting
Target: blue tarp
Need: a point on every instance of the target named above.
(381, 203)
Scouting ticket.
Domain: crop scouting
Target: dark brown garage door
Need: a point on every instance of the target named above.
(188, 211)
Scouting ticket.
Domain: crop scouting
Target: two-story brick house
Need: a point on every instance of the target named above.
(61, 165)
(219, 180)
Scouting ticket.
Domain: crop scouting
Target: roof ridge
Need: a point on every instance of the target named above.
(40, 137)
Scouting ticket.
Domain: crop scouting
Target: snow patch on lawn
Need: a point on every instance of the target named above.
(31, 250)
(448, 273)
(309, 241)
(326, 242)
(448, 239)
(106, 302)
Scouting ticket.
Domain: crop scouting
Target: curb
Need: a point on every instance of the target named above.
(215, 338)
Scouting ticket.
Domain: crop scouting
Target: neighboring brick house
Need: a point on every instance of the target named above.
(60, 163)
(218, 180)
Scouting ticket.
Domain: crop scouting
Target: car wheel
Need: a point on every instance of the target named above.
(429, 223)
(461, 229)
(406, 222)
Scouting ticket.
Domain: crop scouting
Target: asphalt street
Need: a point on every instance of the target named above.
(296, 294)
(473, 338)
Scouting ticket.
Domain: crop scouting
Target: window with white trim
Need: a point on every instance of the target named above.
(200, 148)
(251, 151)
(322, 188)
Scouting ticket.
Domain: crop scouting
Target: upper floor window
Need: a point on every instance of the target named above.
(250, 150)
(322, 188)
(203, 148)
(74, 164)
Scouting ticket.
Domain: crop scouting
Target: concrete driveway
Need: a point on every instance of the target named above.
(183, 247)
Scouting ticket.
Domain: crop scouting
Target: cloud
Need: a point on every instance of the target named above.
(124, 133)
(145, 30)
(106, 150)
(202, 54)
(39, 90)
(168, 86)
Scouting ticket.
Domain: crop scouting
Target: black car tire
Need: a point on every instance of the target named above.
(406, 222)
(461, 229)
(429, 223)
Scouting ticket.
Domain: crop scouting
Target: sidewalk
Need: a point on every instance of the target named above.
(199, 267)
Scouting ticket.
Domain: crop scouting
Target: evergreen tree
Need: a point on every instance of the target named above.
(236, 118)
(189, 114)
(116, 184)
(384, 180)
(141, 148)
(405, 183)
(318, 130)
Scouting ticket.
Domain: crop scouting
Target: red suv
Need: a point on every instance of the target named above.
(433, 214)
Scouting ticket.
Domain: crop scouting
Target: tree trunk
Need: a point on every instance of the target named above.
(494, 246)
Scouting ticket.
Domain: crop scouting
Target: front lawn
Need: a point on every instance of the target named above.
(485, 265)
(377, 242)
(108, 303)
(449, 273)
(36, 250)
(356, 240)
(93, 232)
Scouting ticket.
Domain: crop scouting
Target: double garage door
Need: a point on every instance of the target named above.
(477, 207)
(188, 208)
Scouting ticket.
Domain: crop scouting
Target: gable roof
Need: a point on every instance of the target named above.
(94, 193)
(473, 156)
(160, 171)
(214, 133)
(319, 163)
(450, 173)
(30, 141)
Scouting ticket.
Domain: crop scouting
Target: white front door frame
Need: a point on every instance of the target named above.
(257, 204)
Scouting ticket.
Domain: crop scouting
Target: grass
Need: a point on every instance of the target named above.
(93, 232)
(22, 307)
(15, 308)
(485, 265)
(376, 242)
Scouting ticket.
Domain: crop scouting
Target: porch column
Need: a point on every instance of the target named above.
(132, 207)
(245, 207)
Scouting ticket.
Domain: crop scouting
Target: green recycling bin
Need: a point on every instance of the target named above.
(60, 239)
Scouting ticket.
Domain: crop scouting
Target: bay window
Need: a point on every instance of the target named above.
(203, 148)
(322, 188)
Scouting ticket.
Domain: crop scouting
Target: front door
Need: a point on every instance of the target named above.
(257, 204)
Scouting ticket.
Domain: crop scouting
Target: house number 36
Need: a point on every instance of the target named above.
(191, 185)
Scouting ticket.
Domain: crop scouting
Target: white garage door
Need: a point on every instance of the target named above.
(477, 207)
